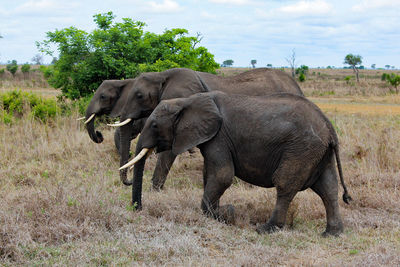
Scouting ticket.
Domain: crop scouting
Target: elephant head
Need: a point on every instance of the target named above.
(109, 99)
(177, 125)
(147, 91)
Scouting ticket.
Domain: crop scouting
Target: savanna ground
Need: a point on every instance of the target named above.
(62, 202)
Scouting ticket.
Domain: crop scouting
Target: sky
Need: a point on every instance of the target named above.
(320, 32)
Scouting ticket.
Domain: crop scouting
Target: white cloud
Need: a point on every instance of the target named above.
(367, 5)
(166, 6)
(302, 8)
(234, 2)
(44, 6)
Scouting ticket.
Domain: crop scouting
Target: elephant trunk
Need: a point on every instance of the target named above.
(91, 112)
(138, 179)
(96, 136)
(125, 145)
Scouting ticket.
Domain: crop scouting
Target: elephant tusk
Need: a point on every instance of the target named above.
(81, 118)
(136, 159)
(90, 118)
(148, 155)
(120, 123)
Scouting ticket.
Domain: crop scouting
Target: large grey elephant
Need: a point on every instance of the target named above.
(109, 99)
(282, 141)
(149, 89)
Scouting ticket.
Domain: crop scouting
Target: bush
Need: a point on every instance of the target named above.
(117, 51)
(17, 104)
(12, 67)
(25, 68)
(302, 77)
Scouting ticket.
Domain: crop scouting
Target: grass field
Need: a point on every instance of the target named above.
(63, 204)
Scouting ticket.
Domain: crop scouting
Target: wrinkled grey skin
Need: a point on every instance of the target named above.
(109, 99)
(282, 141)
(150, 88)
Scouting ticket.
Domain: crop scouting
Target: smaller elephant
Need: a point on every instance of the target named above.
(282, 141)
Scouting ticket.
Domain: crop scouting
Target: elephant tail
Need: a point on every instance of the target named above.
(346, 197)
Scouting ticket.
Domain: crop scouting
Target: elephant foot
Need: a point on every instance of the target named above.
(267, 228)
(227, 214)
(333, 230)
(157, 187)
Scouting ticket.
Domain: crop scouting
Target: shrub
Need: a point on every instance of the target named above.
(2, 71)
(25, 68)
(302, 77)
(12, 67)
(17, 103)
(347, 79)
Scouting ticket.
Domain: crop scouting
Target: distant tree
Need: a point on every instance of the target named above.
(353, 61)
(387, 66)
(12, 66)
(329, 67)
(269, 65)
(253, 62)
(292, 62)
(38, 59)
(392, 79)
(361, 67)
(25, 69)
(373, 66)
(393, 67)
(302, 69)
(227, 63)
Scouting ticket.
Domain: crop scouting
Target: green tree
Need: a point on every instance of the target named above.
(253, 63)
(25, 69)
(302, 71)
(373, 66)
(353, 61)
(118, 50)
(12, 67)
(269, 65)
(227, 63)
(393, 80)
(387, 66)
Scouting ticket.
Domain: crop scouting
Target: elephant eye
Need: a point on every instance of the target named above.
(102, 96)
(139, 95)
(154, 125)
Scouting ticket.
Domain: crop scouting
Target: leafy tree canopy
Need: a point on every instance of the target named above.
(353, 60)
(227, 63)
(118, 50)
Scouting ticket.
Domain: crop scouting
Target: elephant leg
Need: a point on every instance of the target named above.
(216, 180)
(327, 188)
(288, 179)
(164, 163)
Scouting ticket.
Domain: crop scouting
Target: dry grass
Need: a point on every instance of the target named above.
(62, 204)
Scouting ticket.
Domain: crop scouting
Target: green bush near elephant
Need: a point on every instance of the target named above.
(15, 104)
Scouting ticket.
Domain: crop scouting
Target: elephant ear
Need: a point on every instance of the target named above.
(123, 87)
(198, 122)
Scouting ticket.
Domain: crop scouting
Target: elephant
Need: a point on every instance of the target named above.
(109, 99)
(282, 141)
(150, 88)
